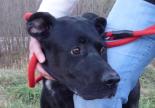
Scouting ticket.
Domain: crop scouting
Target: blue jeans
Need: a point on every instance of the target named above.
(128, 60)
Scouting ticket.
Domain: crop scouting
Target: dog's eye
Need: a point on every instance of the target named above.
(75, 51)
(102, 50)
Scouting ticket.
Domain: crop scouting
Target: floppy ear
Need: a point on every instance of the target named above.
(99, 22)
(39, 24)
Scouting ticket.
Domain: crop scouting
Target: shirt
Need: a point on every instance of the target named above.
(57, 8)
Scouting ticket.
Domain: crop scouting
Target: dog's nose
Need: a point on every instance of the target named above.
(110, 79)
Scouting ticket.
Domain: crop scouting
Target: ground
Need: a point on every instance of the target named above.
(14, 92)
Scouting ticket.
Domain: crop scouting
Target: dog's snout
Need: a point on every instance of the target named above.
(110, 79)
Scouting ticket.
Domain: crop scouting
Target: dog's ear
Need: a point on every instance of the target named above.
(39, 24)
(99, 22)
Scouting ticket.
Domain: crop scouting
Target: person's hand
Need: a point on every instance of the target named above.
(35, 48)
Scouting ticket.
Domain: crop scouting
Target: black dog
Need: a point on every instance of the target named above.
(76, 56)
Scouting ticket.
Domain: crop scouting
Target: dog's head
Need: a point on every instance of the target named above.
(75, 52)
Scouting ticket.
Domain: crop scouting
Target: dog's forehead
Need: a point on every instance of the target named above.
(74, 27)
(73, 20)
(77, 23)
(69, 30)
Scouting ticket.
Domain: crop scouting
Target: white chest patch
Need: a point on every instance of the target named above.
(48, 84)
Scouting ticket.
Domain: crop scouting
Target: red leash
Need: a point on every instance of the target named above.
(125, 36)
(114, 38)
(32, 80)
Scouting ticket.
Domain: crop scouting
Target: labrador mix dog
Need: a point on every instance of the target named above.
(76, 56)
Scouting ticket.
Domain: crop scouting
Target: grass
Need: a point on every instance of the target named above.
(148, 89)
(14, 92)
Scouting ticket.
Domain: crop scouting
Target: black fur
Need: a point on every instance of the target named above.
(76, 57)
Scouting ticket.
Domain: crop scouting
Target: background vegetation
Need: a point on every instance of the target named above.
(14, 92)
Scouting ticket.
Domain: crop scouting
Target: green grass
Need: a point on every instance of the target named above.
(14, 92)
(14, 88)
(148, 89)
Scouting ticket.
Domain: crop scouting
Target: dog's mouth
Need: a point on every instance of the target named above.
(97, 91)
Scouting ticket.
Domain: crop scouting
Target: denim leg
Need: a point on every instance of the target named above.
(128, 60)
